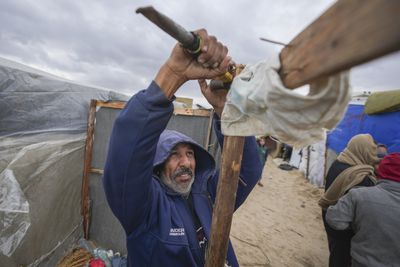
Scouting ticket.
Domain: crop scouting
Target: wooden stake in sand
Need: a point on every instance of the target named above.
(225, 201)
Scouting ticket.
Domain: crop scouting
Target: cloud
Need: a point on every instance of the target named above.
(106, 44)
(378, 75)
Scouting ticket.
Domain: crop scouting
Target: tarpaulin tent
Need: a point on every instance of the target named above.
(310, 161)
(381, 102)
(43, 130)
(43, 122)
(383, 127)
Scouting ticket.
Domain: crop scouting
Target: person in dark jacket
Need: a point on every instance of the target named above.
(382, 150)
(373, 213)
(353, 167)
(262, 153)
(160, 184)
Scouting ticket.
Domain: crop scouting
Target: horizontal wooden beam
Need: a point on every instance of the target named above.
(98, 171)
(177, 111)
(111, 104)
(349, 33)
(192, 112)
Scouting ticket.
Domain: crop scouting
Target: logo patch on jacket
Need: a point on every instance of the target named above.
(177, 231)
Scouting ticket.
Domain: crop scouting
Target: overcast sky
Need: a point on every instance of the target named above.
(104, 43)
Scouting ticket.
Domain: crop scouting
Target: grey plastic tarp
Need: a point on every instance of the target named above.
(43, 122)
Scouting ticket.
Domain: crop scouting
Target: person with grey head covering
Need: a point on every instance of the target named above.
(373, 213)
(353, 167)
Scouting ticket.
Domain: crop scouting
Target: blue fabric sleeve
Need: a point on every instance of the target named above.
(250, 171)
(128, 170)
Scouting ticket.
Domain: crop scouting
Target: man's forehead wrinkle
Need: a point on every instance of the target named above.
(188, 145)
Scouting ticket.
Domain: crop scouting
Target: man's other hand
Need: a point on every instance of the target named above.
(182, 66)
(216, 98)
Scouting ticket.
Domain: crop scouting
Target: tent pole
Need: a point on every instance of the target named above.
(85, 198)
(231, 160)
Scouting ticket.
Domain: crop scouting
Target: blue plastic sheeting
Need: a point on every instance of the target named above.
(384, 128)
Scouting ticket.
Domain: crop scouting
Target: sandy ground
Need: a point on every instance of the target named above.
(280, 224)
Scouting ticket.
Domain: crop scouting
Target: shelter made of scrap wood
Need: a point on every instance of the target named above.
(100, 225)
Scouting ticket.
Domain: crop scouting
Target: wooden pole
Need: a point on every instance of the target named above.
(225, 200)
(347, 34)
(85, 199)
(308, 162)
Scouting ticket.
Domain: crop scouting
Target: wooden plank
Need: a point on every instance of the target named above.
(111, 104)
(225, 200)
(177, 111)
(347, 34)
(187, 102)
(192, 112)
(202, 112)
(308, 162)
(98, 171)
(85, 198)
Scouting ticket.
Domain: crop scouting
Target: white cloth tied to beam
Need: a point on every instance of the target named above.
(258, 103)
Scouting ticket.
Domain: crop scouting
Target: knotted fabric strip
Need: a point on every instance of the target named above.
(258, 103)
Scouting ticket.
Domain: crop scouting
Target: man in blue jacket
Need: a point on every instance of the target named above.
(160, 184)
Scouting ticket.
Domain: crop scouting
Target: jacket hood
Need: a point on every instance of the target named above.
(205, 163)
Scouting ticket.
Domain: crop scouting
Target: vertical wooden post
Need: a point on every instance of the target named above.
(308, 162)
(225, 201)
(85, 200)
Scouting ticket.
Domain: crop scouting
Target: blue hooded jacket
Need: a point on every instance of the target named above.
(158, 223)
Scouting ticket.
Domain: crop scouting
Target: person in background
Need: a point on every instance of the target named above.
(353, 167)
(382, 150)
(287, 152)
(160, 184)
(262, 153)
(373, 213)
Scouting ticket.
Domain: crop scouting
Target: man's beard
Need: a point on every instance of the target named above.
(182, 189)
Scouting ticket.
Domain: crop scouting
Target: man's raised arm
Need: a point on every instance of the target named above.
(128, 171)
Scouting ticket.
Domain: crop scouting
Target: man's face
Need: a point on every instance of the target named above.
(262, 141)
(382, 151)
(178, 172)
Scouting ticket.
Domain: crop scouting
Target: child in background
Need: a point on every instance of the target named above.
(262, 153)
